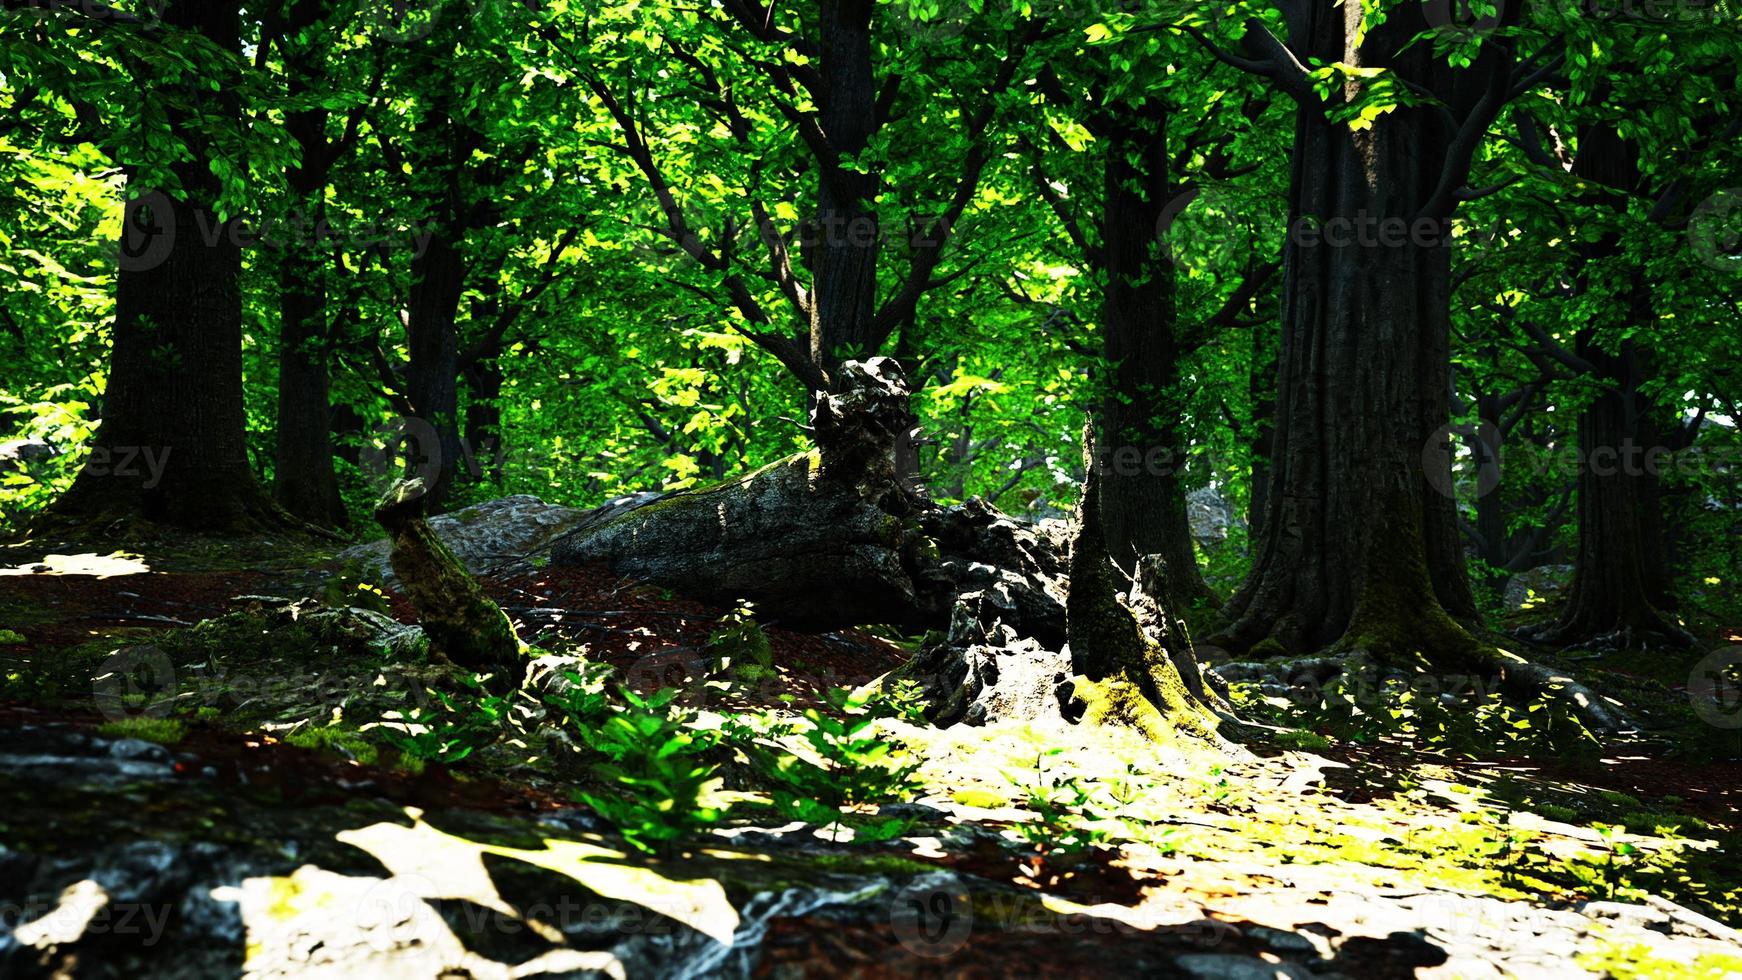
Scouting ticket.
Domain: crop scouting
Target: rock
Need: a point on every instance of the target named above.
(498, 532)
(329, 627)
(980, 670)
(833, 539)
(18, 454)
(1226, 966)
(1544, 581)
(1210, 516)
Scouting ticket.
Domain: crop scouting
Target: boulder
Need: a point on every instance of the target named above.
(498, 532)
(1210, 516)
(1534, 585)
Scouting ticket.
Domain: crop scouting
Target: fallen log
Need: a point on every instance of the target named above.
(833, 538)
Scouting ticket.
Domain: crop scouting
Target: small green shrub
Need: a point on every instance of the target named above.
(741, 650)
(452, 729)
(661, 789)
(858, 767)
(355, 584)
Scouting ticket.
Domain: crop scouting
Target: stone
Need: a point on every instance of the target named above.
(496, 533)
(1543, 581)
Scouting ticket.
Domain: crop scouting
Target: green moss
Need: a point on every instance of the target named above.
(341, 741)
(1626, 962)
(163, 731)
(8, 637)
(1302, 741)
(869, 864)
(1267, 649)
(983, 798)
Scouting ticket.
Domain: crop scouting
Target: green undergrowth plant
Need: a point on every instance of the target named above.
(451, 729)
(740, 650)
(1066, 825)
(580, 698)
(660, 790)
(854, 766)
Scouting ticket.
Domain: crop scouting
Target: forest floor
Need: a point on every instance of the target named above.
(188, 795)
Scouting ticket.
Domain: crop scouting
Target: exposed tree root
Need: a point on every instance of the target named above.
(462, 623)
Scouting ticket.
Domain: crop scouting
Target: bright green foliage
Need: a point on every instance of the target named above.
(581, 697)
(450, 730)
(740, 648)
(853, 765)
(660, 789)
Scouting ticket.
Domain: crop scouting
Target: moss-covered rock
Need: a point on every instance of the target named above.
(462, 622)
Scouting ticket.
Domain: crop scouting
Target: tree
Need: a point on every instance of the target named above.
(1123, 101)
(1355, 546)
(304, 482)
(172, 446)
(818, 73)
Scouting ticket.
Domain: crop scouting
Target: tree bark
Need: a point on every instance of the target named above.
(1355, 545)
(843, 252)
(1261, 384)
(172, 444)
(432, 373)
(462, 623)
(1620, 574)
(304, 482)
(1122, 675)
(1610, 599)
(1141, 450)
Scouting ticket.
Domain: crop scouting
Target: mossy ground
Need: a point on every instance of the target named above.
(1172, 822)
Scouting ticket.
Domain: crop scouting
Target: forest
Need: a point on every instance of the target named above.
(643, 488)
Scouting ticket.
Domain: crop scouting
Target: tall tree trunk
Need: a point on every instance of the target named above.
(845, 234)
(1355, 545)
(1620, 572)
(1261, 383)
(172, 444)
(1610, 600)
(1493, 546)
(432, 374)
(1141, 451)
(303, 479)
(484, 416)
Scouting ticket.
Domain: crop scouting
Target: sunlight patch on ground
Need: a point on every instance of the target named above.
(90, 563)
(440, 865)
(318, 922)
